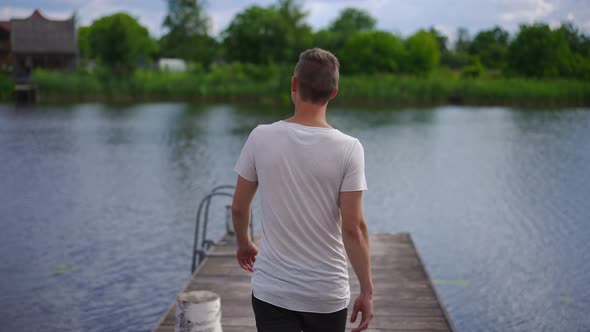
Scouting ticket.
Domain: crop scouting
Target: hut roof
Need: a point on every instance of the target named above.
(40, 35)
(5, 25)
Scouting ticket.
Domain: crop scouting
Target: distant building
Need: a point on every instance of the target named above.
(171, 64)
(38, 42)
(5, 53)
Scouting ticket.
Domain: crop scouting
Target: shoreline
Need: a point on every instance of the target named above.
(278, 101)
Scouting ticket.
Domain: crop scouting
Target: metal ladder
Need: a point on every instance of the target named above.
(204, 249)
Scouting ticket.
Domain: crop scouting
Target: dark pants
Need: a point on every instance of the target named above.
(270, 318)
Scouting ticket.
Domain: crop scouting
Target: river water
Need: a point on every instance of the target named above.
(97, 206)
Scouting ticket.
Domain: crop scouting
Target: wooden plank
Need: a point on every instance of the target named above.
(405, 298)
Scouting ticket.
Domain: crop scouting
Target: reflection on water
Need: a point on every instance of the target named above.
(97, 207)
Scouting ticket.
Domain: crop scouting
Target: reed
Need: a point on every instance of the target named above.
(258, 84)
(6, 86)
(493, 91)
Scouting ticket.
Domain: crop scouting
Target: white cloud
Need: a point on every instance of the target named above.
(448, 32)
(532, 10)
(94, 9)
(554, 23)
(220, 19)
(321, 13)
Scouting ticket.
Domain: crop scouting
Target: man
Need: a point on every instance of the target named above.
(311, 178)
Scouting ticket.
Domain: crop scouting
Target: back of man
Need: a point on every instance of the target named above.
(300, 172)
(304, 170)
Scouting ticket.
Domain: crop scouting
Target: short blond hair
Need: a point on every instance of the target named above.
(317, 73)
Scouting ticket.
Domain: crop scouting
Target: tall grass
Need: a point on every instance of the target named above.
(256, 84)
(6, 86)
(218, 84)
(493, 91)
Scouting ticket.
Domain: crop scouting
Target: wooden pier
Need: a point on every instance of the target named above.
(25, 94)
(404, 300)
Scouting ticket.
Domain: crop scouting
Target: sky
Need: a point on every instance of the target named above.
(398, 16)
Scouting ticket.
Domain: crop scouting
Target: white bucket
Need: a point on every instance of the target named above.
(198, 311)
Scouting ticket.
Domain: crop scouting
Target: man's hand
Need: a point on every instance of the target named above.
(241, 213)
(363, 304)
(247, 256)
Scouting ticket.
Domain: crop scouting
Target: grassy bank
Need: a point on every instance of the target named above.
(6, 86)
(474, 91)
(251, 84)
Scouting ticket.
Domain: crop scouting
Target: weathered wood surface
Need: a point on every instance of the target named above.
(404, 299)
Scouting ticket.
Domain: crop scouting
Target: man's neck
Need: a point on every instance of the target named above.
(310, 115)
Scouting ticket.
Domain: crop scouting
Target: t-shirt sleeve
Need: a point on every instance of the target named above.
(246, 165)
(354, 170)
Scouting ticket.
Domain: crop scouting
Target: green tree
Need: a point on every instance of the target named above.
(349, 22)
(187, 35)
(328, 40)
(448, 57)
(187, 17)
(83, 42)
(577, 41)
(372, 52)
(579, 44)
(459, 57)
(473, 70)
(263, 35)
(120, 42)
(298, 35)
(463, 40)
(253, 36)
(538, 51)
(491, 46)
(353, 20)
(456, 60)
(423, 53)
(441, 40)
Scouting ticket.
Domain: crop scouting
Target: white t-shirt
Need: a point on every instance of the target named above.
(301, 171)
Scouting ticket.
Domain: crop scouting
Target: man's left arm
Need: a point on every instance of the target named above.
(241, 213)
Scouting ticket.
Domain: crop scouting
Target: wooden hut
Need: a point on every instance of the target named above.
(39, 42)
(5, 54)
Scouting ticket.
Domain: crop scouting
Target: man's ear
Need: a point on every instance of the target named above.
(334, 93)
(293, 84)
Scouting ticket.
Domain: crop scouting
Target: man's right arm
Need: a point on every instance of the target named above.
(355, 236)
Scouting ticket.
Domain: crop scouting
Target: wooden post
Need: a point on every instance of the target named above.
(198, 311)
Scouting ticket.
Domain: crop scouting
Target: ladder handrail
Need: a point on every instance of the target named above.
(215, 190)
(206, 244)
